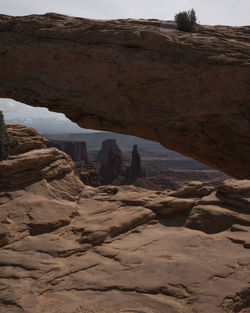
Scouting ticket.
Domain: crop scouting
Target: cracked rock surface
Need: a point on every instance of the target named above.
(70, 248)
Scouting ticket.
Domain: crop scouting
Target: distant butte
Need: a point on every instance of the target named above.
(188, 91)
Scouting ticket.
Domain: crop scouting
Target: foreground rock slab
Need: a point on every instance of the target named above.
(190, 92)
(68, 248)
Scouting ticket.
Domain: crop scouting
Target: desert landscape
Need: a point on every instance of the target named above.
(163, 169)
(85, 228)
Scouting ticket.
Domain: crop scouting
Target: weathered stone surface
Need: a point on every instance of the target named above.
(235, 193)
(85, 249)
(232, 187)
(194, 188)
(215, 218)
(32, 166)
(31, 160)
(213, 198)
(190, 92)
(88, 174)
(28, 139)
(48, 215)
(7, 142)
(240, 235)
(111, 256)
(170, 205)
(4, 235)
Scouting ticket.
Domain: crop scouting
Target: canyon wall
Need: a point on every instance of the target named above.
(107, 146)
(190, 92)
(77, 150)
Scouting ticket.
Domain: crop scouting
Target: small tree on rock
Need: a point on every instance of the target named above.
(186, 20)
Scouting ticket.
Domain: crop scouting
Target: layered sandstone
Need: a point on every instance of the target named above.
(31, 160)
(27, 139)
(188, 91)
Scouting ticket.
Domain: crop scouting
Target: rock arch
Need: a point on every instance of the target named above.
(190, 92)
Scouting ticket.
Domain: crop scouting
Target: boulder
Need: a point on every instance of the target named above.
(29, 167)
(215, 218)
(193, 189)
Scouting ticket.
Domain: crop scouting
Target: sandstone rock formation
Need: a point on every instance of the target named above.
(6, 140)
(70, 248)
(112, 169)
(31, 160)
(112, 172)
(107, 146)
(119, 249)
(190, 92)
(77, 150)
(83, 168)
(135, 170)
(88, 174)
(28, 139)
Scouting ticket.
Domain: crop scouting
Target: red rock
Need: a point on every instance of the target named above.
(28, 139)
(188, 91)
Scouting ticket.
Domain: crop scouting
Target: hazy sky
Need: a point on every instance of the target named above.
(13, 110)
(211, 12)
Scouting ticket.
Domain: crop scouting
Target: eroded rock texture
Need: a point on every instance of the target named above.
(70, 248)
(88, 174)
(31, 160)
(7, 142)
(27, 139)
(190, 92)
